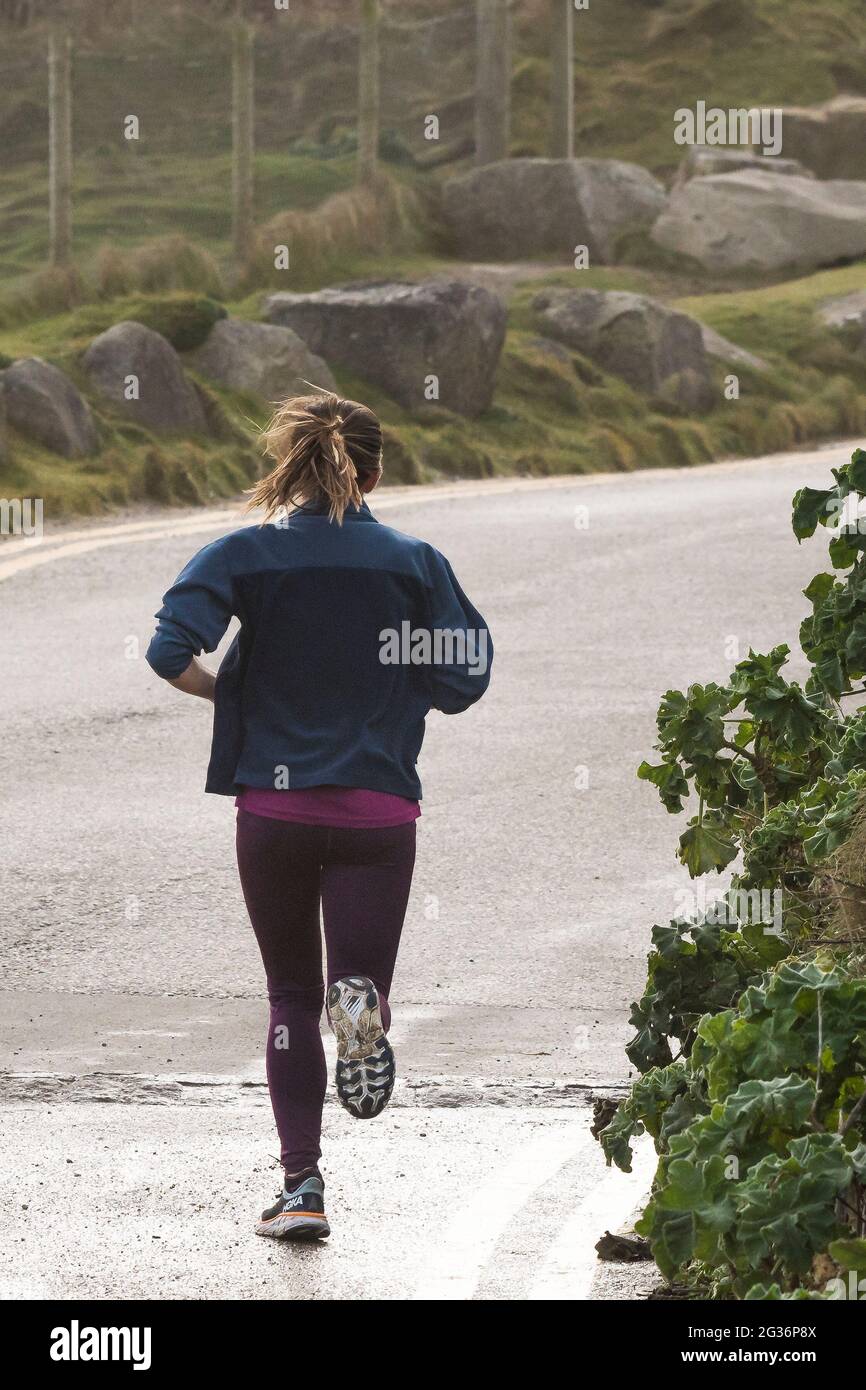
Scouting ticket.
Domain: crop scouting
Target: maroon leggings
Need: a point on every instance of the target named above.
(362, 878)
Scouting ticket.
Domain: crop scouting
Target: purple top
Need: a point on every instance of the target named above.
(352, 807)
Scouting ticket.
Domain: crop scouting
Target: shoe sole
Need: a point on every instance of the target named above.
(365, 1059)
(294, 1227)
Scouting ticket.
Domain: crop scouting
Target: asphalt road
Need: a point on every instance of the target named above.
(132, 1008)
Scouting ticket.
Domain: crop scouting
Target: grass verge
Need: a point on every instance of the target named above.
(553, 411)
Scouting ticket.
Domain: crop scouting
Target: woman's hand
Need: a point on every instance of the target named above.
(196, 680)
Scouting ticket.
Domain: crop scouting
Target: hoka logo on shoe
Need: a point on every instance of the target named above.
(293, 1202)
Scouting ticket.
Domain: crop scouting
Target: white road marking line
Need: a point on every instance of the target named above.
(466, 1244)
(32, 553)
(572, 1263)
(45, 556)
(121, 528)
(28, 554)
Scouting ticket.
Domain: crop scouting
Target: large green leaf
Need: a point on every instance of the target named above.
(856, 471)
(706, 846)
(850, 1254)
(811, 507)
(668, 776)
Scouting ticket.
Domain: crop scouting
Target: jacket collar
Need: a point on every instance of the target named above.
(321, 508)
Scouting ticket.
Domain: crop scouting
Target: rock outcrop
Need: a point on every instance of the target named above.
(439, 340)
(829, 139)
(140, 373)
(657, 350)
(702, 160)
(261, 358)
(518, 209)
(44, 405)
(754, 220)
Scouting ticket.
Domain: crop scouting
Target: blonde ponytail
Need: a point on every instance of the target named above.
(325, 448)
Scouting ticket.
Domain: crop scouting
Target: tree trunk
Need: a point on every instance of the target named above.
(368, 93)
(59, 145)
(243, 137)
(492, 81)
(562, 79)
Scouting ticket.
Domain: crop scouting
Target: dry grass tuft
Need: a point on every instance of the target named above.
(377, 220)
(54, 290)
(166, 263)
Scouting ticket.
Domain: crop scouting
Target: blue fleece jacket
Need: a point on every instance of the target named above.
(348, 636)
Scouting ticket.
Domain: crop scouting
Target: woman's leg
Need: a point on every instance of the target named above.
(279, 864)
(366, 877)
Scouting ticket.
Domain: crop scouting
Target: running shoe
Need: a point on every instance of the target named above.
(365, 1061)
(299, 1211)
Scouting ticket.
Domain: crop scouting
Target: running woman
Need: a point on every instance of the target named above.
(349, 633)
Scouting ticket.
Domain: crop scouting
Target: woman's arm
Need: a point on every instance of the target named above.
(195, 680)
(460, 674)
(193, 618)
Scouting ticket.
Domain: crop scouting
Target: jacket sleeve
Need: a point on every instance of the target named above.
(461, 645)
(195, 613)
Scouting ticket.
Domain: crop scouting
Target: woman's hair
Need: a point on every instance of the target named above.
(325, 448)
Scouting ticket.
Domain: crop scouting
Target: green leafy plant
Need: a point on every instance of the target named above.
(694, 966)
(751, 1031)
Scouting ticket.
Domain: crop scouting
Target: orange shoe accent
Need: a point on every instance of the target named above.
(320, 1215)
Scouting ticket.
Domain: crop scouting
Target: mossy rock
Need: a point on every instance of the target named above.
(184, 319)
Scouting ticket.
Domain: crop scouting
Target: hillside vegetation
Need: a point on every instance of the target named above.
(153, 217)
(548, 416)
(636, 63)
